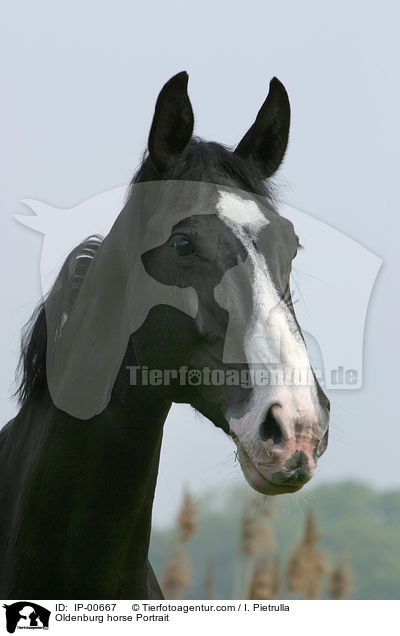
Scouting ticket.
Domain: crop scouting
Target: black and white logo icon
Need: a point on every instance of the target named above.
(26, 615)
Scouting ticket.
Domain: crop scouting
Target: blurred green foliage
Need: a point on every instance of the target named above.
(352, 519)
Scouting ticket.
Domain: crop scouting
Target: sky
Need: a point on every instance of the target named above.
(79, 84)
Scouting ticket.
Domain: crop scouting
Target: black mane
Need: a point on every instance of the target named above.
(32, 363)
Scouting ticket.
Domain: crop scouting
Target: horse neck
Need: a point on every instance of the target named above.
(90, 492)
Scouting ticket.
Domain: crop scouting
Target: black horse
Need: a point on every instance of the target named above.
(202, 296)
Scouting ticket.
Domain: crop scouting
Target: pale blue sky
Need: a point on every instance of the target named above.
(79, 82)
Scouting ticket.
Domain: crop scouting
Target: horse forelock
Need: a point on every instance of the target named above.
(210, 162)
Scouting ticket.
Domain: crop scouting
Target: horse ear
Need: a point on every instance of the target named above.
(173, 122)
(267, 139)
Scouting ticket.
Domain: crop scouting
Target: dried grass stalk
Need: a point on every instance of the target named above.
(177, 574)
(249, 534)
(307, 563)
(256, 535)
(265, 582)
(339, 585)
(187, 522)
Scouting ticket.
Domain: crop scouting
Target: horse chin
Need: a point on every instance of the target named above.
(260, 483)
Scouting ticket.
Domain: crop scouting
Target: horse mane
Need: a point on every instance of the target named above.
(31, 369)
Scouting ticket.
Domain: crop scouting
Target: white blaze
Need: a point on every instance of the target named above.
(240, 213)
(272, 337)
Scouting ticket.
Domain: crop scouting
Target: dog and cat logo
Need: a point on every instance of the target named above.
(26, 615)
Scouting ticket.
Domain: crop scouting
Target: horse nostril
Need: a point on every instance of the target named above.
(270, 428)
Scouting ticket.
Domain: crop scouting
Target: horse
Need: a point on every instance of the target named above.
(79, 462)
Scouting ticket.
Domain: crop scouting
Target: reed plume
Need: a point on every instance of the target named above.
(248, 534)
(307, 563)
(257, 542)
(177, 574)
(266, 580)
(339, 585)
(187, 522)
(256, 532)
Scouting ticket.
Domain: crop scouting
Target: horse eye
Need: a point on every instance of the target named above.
(181, 245)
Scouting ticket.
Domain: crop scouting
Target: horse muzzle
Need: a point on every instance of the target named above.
(278, 452)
